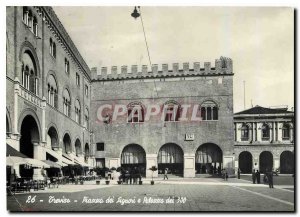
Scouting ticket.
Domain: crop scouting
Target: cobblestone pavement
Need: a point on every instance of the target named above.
(188, 194)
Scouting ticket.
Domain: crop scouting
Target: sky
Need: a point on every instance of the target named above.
(260, 41)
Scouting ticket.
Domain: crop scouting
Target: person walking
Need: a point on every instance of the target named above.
(253, 176)
(270, 178)
(226, 175)
(166, 174)
(239, 173)
(257, 177)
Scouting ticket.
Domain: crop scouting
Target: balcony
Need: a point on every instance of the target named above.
(30, 97)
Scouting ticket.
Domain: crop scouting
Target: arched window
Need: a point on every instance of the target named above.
(135, 112)
(171, 111)
(285, 132)
(52, 91)
(30, 21)
(52, 46)
(265, 131)
(86, 118)
(66, 102)
(209, 111)
(54, 50)
(29, 73)
(67, 66)
(245, 133)
(35, 26)
(25, 15)
(77, 111)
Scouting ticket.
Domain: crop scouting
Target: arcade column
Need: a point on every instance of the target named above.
(151, 160)
(189, 165)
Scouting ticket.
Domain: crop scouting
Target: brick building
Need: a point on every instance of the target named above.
(165, 141)
(264, 139)
(48, 88)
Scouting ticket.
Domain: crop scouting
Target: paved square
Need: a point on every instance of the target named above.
(189, 195)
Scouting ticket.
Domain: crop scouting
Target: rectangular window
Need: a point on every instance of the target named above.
(100, 146)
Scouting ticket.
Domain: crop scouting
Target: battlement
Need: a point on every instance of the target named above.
(222, 66)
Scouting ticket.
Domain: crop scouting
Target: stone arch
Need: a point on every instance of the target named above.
(30, 134)
(32, 113)
(52, 73)
(53, 136)
(208, 158)
(86, 152)
(170, 155)
(78, 148)
(67, 143)
(287, 163)
(209, 99)
(245, 162)
(133, 157)
(67, 88)
(265, 161)
(26, 46)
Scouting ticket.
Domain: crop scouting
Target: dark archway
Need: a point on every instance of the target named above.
(245, 162)
(170, 156)
(209, 158)
(287, 164)
(52, 138)
(86, 152)
(67, 144)
(29, 136)
(134, 156)
(77, 147)
(265, 161)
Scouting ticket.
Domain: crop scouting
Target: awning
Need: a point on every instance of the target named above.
(36, 163)
(52, 164)
(10, 151)
(14, 161)
(81, 163)
(67, 161)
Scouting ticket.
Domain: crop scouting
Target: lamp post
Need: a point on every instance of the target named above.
(135, 14)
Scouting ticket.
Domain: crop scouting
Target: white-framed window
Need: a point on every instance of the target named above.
(285, 132)
(244, 133)
(265, 132)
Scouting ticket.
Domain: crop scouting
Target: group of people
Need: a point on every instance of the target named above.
(268, 177)
(130, 175)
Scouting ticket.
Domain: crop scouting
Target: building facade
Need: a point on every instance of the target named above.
(180, 118)
(48, 89)
(264, 140)
(165, 140)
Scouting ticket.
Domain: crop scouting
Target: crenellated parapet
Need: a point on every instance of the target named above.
(222, 66)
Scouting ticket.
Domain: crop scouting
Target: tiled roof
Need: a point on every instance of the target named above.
(261, 110)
